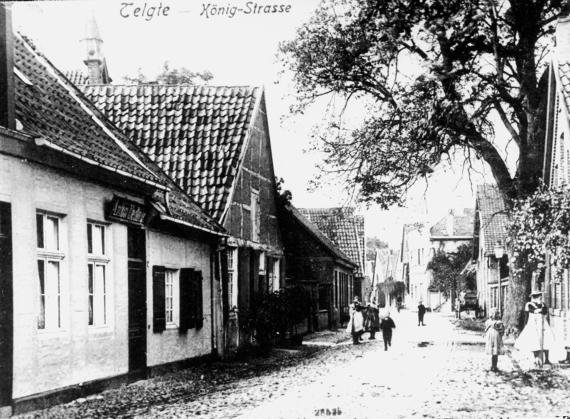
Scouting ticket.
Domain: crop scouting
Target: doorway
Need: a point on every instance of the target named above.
(137, 301)
(6, 305)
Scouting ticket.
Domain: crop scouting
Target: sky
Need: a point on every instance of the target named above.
(239, 49)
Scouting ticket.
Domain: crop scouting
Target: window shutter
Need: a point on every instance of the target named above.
(158, 306)
(197, 300)
(225, 284)
(185, 299)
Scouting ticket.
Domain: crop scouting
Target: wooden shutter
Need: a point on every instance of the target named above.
(224, 278)
(186, 299)
(158, 307)
(197, 299)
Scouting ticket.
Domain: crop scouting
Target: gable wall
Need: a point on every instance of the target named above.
(256, 173)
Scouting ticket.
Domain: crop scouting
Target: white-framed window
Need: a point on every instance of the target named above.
(49, 258)
(276, 274)
(262, 263)
(171, 298)
(97, 274)
(232, 277)
(97, 288)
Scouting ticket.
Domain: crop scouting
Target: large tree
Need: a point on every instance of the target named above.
(438, 76)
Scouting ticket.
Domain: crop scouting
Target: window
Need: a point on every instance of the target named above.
(171, 299)
(97, 286)
(232, 278)
(276, 274)
(49, 258)
(97, 270)
(255, 216)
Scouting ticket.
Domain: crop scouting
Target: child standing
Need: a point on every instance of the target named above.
(386, 325)
(494, 330)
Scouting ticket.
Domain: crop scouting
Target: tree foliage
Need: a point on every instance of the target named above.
(372, 245)
(541, 223)
(475, 60)
(436, 75)
(170, 75)
(446, 269)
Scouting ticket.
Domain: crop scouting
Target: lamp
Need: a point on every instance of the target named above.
(499, 250)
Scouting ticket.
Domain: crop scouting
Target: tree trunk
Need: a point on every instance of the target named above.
(517, 296)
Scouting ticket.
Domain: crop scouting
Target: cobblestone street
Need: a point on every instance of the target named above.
(432, 371)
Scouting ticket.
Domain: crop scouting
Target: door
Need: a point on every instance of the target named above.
(137, 301)
(6, 305)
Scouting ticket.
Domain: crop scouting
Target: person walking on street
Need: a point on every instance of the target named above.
(421, 313)
(386, 325)
(494, 331)
(356, 323)
(371, 320)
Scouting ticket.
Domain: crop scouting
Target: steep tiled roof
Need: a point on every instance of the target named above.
(77, 77)
(325, 241)
(51, 107)
(462, 225)
(493, 215)
(343, 228)
(196, 134)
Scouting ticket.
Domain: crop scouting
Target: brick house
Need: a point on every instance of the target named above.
(490, 228)
(107, 268)
(214, 143)
(346, 230)
(317, 264)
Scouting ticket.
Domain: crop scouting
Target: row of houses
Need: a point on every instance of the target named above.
(137, 222)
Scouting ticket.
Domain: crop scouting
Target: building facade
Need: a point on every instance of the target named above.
(323, 270)
(107, 267)
(490, 230)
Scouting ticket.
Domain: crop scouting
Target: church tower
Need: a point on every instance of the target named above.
(94, 58)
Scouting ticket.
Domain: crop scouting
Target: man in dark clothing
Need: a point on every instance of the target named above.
(386, 325)
(421, 312)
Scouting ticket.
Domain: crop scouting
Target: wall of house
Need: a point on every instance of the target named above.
(45, 360)
(417, 254)
(448, 246)
(257, 174)
(175, 253)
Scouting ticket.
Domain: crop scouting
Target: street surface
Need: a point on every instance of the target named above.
(436, 371)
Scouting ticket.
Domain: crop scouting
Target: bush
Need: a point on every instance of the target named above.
(274, 316)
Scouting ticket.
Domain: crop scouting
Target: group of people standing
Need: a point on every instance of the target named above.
(367, 319)
(537, 337)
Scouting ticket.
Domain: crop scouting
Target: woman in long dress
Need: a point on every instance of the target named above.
(356, 323)
(537, 336)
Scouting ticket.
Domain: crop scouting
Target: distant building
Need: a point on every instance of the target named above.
(346, 230)
(420, 244)
(490, 229)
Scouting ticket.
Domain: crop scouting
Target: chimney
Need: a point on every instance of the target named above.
(94, 59)
(450, 221)
(7, 111)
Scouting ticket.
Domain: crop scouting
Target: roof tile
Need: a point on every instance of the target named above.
(343, 228)
(183, 129)
(493, 214)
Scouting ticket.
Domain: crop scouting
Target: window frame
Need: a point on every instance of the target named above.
(232, 255)
(255, 210)
(172, 279)
(50, 255)
(94, 260)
